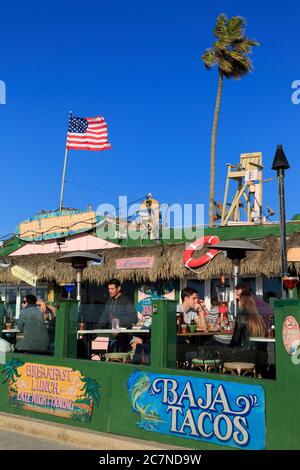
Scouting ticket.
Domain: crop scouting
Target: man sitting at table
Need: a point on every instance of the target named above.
(119, 307)
(192, 308)
(31, 323)
(193, 311)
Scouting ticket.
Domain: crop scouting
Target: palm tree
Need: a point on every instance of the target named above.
(230, 54)
(91, 389)
(11, 370)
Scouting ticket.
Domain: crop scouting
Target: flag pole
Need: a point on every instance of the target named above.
(63, 175)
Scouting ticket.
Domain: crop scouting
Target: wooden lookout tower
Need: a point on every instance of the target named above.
(247, 200)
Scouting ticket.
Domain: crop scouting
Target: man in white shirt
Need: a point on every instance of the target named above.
(192, 308)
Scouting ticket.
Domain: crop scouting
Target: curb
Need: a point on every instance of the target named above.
(71, 435)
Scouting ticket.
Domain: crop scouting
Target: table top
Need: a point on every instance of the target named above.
(11, 330)
(206, 333)
(102, 331)
(262, 340)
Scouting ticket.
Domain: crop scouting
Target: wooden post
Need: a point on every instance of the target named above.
(66, 330)
(163, 334)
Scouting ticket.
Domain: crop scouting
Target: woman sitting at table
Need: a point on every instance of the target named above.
(241, 349)
(248, 322)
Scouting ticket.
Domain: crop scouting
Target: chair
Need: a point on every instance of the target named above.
(99, 348)
(239, 368)
(206, 365)
(124, 357)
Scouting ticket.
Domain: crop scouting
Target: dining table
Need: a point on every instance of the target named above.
(262, 340)
(10, 334)
(206, 333)
(91, 334)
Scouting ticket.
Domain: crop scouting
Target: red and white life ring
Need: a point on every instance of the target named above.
(187, 257)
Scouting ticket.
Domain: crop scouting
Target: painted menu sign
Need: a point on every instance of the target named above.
(55, 390)
(220, 412)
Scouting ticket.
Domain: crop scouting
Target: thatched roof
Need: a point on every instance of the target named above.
(167, 264)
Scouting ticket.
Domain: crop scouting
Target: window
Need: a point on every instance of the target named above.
(197, 285)
(272, 286)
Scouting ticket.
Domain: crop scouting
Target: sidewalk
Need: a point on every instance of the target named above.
(76, 436)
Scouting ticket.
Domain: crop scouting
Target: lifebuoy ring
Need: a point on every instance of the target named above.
(187, 257)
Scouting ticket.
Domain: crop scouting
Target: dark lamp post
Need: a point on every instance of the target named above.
(280, 164)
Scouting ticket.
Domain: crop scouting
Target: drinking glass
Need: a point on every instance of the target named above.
(115, 323)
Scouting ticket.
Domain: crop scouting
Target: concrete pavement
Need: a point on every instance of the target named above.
(13, 440)
(71, 436)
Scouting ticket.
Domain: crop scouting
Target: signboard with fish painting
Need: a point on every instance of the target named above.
(55, 390)
(225, 413)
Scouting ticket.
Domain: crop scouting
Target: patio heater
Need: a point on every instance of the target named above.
(79, 261)
(236, 251)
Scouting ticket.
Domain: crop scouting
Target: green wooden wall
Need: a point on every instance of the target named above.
(114, 413)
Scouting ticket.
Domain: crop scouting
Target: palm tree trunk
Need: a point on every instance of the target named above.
(213, 152)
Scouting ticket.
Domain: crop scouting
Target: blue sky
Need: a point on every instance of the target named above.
(138, 63)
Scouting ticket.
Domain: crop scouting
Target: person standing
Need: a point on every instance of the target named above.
(31, 323)
(117, 308)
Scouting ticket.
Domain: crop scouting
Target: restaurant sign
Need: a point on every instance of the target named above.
(291, 335)
(56, 224)
(24, 275)
(54, 390)
(135, 263)
(223, 413)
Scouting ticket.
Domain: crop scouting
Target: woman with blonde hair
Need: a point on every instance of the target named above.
(248, 322)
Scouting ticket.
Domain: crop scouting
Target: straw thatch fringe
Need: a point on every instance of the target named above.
(167, 264)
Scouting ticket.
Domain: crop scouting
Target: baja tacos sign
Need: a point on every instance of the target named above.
(55, 390)
(220, 412)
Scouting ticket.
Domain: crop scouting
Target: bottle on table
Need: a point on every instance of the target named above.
(272, 327)
(222, 322)
(178, 321)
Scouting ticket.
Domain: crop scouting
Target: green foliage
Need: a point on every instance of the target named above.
(230, 50)
(91, 389)
(10, 370)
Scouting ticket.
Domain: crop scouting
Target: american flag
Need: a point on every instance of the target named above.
(87, 133)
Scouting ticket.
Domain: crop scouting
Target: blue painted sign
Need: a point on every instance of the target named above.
(220, 412)
(57, 224)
